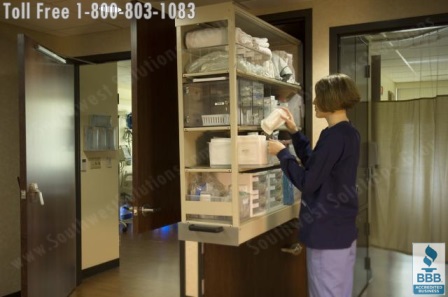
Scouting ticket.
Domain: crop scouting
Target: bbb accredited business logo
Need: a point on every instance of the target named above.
(428, 269)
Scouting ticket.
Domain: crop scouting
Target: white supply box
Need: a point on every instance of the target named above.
(252, 150)
(219, 151)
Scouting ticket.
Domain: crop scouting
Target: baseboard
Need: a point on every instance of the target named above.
(91, 271)
(16, 294)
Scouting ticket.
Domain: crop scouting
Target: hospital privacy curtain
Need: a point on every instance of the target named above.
(410, 182)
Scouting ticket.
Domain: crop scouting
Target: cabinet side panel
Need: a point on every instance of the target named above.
(257, 267)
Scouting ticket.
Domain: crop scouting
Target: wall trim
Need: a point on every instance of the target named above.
(94, 270)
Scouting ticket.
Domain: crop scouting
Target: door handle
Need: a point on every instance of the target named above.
(146, 210)
(33, 190)
(295, 249)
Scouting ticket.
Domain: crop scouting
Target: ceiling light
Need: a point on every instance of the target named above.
(405, 61)
(50, 54)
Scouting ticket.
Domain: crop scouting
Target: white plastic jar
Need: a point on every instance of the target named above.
(273, 121)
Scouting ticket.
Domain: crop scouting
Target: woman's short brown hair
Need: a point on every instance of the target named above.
(336, 92)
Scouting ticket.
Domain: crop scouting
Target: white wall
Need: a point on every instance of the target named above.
(424, 89)
(99, 187)
(388, 86)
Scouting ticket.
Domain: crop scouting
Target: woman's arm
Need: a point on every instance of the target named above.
(300, 142)
(302, 146)
(318, 167)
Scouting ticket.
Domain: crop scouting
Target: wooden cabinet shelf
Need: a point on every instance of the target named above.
(251, 76)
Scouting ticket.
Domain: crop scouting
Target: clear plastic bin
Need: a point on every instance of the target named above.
(251, 102)
(206, 104)
(216, 59)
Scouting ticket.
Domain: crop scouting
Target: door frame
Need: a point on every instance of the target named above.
(78, 177)
(80, 61)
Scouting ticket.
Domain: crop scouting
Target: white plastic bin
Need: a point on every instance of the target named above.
(252, 150)
(219, 151)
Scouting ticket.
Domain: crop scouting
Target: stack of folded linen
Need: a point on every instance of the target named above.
(262, 45)
(215, 37)
(218, 36)
(253, 54)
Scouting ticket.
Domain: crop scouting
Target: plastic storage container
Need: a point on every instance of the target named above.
(206, 104)
(252, 150)
(273, 121)
(275, 188)
(251, 102)
(219, 152)
(255, 185)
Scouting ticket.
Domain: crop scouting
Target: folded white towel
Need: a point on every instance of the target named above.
(266, 51)
(214, 37)
(260, 42)
(206, 37)
(242, 37)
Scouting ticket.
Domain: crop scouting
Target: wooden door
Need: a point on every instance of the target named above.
(156, 184)
(47, 172)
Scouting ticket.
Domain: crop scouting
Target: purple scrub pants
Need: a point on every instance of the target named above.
(330, 272)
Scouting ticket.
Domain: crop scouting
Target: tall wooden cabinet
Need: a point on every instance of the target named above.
(233, 69)
(228, 81)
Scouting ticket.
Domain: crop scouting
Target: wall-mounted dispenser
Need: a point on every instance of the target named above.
(100, 135)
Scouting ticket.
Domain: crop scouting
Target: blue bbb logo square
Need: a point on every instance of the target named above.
(428, 269)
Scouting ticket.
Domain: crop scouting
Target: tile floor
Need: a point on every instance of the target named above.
(149, 266)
